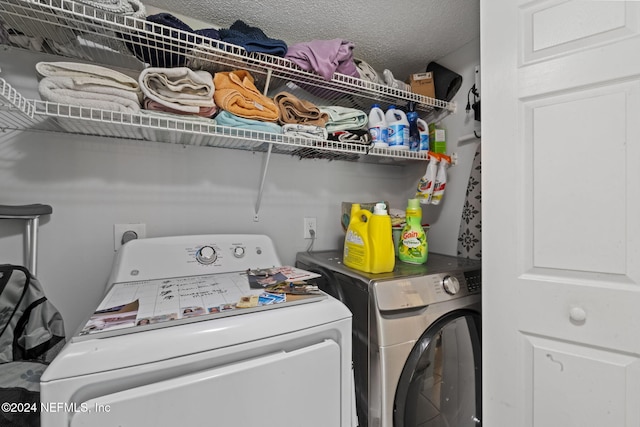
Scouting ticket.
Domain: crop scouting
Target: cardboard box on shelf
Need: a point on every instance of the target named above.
(422, 84)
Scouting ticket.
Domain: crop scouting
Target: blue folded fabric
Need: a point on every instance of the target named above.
(161, 54)
(225, 118)
(252, 39)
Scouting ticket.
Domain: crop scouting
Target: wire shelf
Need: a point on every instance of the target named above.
(46, 116)
(10, 99)
(74, 30)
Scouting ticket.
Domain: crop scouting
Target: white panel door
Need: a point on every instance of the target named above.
(561, 213)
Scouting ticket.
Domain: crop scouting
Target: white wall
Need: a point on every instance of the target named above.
(445, 217)
(93, 183)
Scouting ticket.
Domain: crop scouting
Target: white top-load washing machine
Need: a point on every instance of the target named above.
(416, 338)
(169, 345)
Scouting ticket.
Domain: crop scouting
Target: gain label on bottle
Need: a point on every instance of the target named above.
(413, 247)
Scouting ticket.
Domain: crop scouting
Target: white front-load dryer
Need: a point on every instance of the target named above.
(189, 357)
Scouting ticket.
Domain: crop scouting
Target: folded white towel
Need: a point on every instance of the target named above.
(88, 76)
(65, 90)
(179, 88)
(75, 69)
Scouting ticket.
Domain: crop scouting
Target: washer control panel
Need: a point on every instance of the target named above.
(177, 256)
(422, 291)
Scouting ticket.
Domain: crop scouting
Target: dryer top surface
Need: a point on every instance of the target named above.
(436, 264)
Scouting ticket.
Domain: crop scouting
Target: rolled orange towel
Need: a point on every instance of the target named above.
(237, 94)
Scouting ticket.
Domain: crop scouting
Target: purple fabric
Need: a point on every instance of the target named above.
(325, 57)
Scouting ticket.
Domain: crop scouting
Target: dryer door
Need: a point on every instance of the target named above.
(440, 384)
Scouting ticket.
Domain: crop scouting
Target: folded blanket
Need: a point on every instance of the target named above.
(344, 118)
(252, 39)
(292, 109)
(178, 88)
(151, 105)
(89, 75)
(325, 57)
(65, 90)
(237, 93)
(88, 85)
(225, 118)
(305, 131)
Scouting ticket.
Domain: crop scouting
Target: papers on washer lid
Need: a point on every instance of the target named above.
(261, 278)
(116, 317)
(161, 301)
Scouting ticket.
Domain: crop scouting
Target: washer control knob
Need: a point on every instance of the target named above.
(238, 252)
(451, 285)
(206, 255)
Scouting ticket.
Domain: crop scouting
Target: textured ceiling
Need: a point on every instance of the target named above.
(402, 36)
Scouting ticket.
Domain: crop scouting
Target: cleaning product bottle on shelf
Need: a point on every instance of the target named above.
(368, 245)
(413, 247)
(398, 126)
(427, 182)
(414, 132)
(440, 182)
(423, 129)
(378, 127)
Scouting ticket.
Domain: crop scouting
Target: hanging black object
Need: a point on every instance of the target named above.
(446, 82)
(476, 111)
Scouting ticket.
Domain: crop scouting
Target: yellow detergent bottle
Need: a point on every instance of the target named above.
(413, 247)
(368, 245)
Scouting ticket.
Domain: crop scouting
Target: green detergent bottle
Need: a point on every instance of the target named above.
(413, 247)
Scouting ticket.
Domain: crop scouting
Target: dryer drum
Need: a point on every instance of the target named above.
(442, 377)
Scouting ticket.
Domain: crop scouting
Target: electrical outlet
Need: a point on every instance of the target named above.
(119, 231)
(310, 224)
